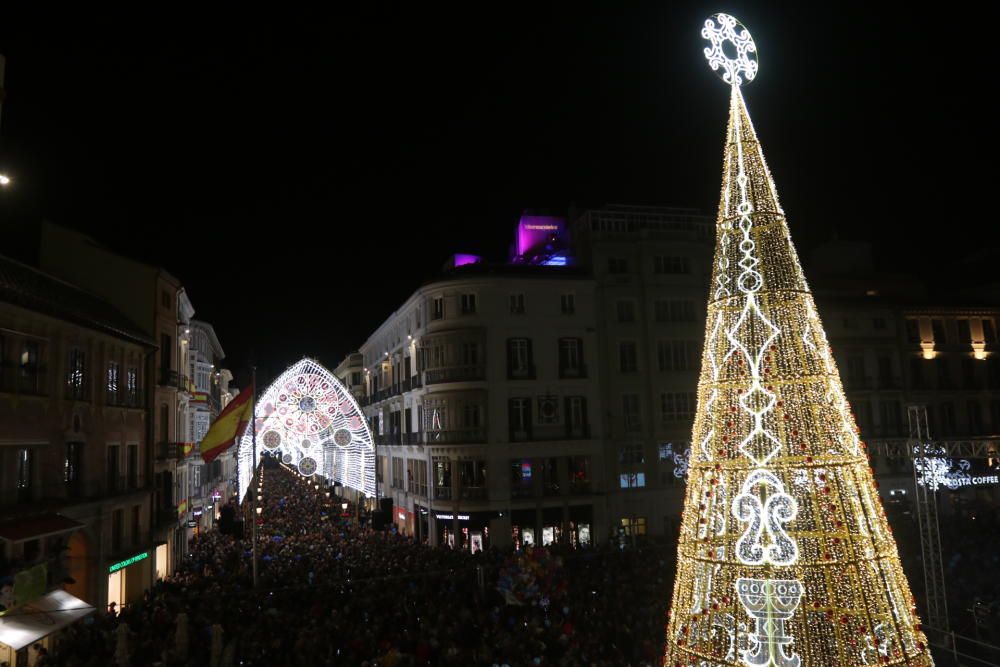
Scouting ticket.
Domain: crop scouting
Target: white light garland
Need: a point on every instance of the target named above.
(308, 418)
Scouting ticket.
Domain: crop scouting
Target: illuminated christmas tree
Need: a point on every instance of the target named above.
(785, 554)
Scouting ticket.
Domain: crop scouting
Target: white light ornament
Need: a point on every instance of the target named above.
(732, 49)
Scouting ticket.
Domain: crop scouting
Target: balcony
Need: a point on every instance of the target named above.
(466, 436)
(521, 373)
(417, 489)
(77, 391)
(125, 400)
(169, 451)
(80, 490)
(442, 493)
(573, 372)
(412, 438)
(170, 378)
(23, 380)
(543, 432)
(474, 493)
(454, 374)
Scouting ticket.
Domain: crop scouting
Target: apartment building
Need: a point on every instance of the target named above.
(483, 398)
(75, 489)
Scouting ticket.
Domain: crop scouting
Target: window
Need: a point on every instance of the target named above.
(71, 466)
(917, 373)
(626, 311)
(632, 480)
(28, 370)
(470, 354)
(521, 473)
(947, 426)
(114, 381)
(472, 412)
(856, 370)
(937, 326)
(25, 474)
(678, 406)
(878, 323)
(674, 311)
(989, 331)
(166, 350)
(132, 466)
(468, 304)
(113, 468)
(441, 471)
(166, 299)
(890, 415)
(75, 378)
(943, 373)
(517, 304)
(677, 355)
(975, 412)
(964, 331)
(438, 311)
(576, 414)
(568, 302)
(676, 265)
(570, 357)
(519, 416)
(885, 378)
(397, 473)
(132, 386)
(631, 455)
(912, 331)
(630, 412)
(617, 265)
(356, 377)
(627, 357)
(519, 358)
(635, 525)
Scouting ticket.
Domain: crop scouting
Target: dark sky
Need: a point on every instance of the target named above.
(321, 165)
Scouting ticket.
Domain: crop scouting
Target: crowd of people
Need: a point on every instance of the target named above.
(335, 592)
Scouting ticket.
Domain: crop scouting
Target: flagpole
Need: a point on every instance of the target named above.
(253, 478)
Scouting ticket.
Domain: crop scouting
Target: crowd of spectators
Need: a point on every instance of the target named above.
(333, 591)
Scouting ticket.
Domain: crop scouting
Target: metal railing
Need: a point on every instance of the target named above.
(24, 380)
(454, 374)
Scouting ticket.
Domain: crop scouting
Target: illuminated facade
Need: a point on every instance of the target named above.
(311, 421)
(482, 391)
(785, 557)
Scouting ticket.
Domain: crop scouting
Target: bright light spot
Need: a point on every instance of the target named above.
(4, 180)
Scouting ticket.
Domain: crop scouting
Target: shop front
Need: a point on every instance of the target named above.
(552, 525)
(130, 577)
(464, 530)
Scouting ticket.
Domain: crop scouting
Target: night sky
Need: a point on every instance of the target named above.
(319, 166)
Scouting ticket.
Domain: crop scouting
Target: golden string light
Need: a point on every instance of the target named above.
(785, 557)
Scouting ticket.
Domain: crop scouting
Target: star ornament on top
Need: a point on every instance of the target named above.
(733, 54)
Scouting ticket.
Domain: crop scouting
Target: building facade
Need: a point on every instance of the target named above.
(75, 487)
(482, 396)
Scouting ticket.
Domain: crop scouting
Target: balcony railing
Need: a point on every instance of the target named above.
(523, 373)
(79, 489)
(123, 399)
(170, 378)
(454, 374)
(412, 438)
(542, 432)
(417, 489)
(569, 372)
(465, 436)
(77, 391)
(24, 380)
(166, 451)
(474, 493)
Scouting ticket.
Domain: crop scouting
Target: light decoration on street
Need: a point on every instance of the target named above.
(313, 423)
(786, 558)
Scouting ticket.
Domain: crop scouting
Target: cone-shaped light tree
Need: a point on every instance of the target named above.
(785, 554)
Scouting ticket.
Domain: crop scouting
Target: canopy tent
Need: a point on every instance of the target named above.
(49, 613)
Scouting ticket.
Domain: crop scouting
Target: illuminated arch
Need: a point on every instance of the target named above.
(309, 419)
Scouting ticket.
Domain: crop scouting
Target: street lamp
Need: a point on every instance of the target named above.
(4, 180)
(259, 510)
(343, 506)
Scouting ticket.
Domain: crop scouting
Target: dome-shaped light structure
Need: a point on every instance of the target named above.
(313, 423)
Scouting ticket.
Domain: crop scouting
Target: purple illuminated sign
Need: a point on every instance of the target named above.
(535, 231)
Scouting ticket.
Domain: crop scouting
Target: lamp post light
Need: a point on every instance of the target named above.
(259, 510)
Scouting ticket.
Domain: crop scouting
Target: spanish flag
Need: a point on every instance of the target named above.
(228, 426)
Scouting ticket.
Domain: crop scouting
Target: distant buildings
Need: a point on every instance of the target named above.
(552, 397)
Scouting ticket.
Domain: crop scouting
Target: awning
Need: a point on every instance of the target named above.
(53, 611)
(34, 527)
